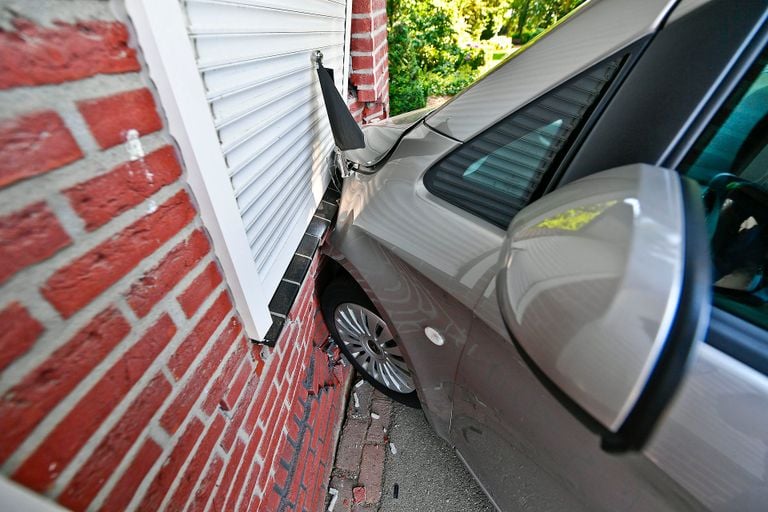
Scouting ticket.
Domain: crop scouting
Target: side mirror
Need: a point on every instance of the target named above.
(346, 132)
(604, 289)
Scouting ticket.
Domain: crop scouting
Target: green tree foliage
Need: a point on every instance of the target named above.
(436, 46)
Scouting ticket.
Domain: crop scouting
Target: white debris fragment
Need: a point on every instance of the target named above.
(133, 145)
(392, 448)
(359, 383)
(375, 416)
(356, 400)
(151, 206)
(334, 496)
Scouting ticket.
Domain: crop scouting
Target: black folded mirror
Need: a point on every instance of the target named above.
(346, 132)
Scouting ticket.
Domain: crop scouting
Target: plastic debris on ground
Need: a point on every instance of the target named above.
(375, 416)
(357, 400)
(334, 496)
(392, 448)
(396, 491)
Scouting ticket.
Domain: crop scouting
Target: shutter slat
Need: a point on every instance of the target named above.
(255, 60)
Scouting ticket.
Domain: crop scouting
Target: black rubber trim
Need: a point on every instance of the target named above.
(655, 105)
(739, 339)
(689, 325)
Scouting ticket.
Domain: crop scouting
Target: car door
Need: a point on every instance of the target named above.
(708, 450)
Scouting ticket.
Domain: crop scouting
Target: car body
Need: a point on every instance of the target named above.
(618, 83)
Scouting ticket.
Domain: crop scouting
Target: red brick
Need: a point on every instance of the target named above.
(170, 468)
(362, 78)
(366, 95)
(361, 44)
(240, 411)
(225, 377)
(18, 331)
(78, 283)
(199, 290)
(368, 6)
(262, 409)
(362, 62)
(100, 199)
(206, 487)
(177, 412)
(124, 490)
(111, 117)
(28, 402)
(29, 236)
(270, 500)
(34, 144)
(237, 486)
(361, 25)
(157, 282)
(180, 360)
(56, 451)
(229, 476)
(34, 55)
(186, 483)
(89, 480)
(237, 386)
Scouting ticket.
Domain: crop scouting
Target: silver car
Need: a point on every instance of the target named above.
(565, 265)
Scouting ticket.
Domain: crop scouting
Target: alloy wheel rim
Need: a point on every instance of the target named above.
(369, 340)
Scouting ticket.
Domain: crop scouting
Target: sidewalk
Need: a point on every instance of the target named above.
(386, 446)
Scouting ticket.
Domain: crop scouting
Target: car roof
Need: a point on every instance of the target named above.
(593, 32)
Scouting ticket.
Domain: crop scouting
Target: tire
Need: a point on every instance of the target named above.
(359, 331)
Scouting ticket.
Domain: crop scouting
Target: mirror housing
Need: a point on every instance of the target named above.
(604, 288)
(346, 132)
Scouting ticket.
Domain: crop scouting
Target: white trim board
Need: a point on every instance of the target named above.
(162, 35)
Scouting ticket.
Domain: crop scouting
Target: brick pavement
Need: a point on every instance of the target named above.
(359, 468)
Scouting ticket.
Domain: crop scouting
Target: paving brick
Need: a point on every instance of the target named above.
(372, 471)
(378, 428)
(344, 487)
(351, 447)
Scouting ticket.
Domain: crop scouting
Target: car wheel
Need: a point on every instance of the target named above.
(367, 341)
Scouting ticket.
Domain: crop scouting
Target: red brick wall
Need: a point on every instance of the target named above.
(369, 99)
(127, 381)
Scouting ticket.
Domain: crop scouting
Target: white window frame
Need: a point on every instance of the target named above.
(161, 30)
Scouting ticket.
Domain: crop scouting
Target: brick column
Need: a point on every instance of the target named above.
(370, 61)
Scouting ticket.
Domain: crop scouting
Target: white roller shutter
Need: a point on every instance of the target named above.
(266, 116)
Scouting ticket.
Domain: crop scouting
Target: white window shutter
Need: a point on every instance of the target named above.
(237, 83)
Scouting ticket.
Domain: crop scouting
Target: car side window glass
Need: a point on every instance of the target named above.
(730, 161)
(494, 175)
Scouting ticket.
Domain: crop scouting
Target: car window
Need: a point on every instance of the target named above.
(494, 175)
(730, 161)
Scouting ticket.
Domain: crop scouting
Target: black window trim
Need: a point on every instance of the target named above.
(730, 334)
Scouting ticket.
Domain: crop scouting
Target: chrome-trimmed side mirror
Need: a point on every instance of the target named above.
(604, 289)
